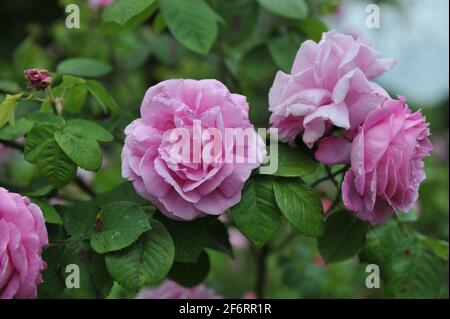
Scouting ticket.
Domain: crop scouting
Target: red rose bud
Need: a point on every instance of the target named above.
(38, 79)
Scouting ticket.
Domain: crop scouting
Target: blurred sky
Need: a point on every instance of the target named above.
(415, 33)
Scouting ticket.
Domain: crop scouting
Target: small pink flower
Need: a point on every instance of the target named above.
(22, 236)
(99, 4)
(386, 162)
(38, 79)
(172, 290)
(329, 85)
(202, 181)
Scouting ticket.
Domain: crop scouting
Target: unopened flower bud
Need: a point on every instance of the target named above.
(38, 79)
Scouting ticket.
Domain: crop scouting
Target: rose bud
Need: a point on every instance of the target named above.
(38, 79)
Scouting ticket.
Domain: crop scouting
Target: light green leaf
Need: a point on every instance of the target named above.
(85, 67)
(295, 9)
(193, 23)
(84, 152)
(145, 262)
(37, 139)
(102, 96)
(123, 192)
(45, 117)
(54, 165)
(118, 225)
(293, 163)
(301, 206)
(257, 215)
(344, 237)
(439, 247)
(88, 129)
(189, 238)
(8, 108)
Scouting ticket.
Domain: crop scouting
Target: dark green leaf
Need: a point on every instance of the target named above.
(344, 237)
(295, 9)
(123, 192)
(37, 139)
(20, 128)
(85, 67)
(50, 214)
(79, 219)
(301, 206)
(193, 23)
(145, 262)
(103, 98)
(118, 225)
(88, 129)
(84, 152)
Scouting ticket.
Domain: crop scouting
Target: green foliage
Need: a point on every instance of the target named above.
(145, 262)
(7, 109)
(294, 9)
(293, 163)
(50, 214)
(408, 267)
(344, 237)
(191, 274)
(193, 23)
(117, 226)
(257, 215)
(85, 67)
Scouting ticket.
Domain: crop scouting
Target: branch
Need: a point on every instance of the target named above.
(261, 271)
(330, 176)
(84, 187)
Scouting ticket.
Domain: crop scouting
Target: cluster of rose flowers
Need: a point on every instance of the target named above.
(328, 102)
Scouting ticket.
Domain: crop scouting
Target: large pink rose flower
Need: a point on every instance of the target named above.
(191, 186)
(329, 85)
(171, 290)
(22, 236)
(386, 162)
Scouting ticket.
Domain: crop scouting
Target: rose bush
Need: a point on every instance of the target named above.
(22, 237)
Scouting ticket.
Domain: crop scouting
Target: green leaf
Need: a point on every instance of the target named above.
(189, 238)
(9, 86)
(50, 214)
(439, 247)
(283, 50)
(344, 237)
(293, 163)
(301, 206)
(85, 67)
(145, 262)
(313, 28)
(408, 267)
(75, 97)
(217, 237)
(37, 139)
(295, 9)
(193, 23)
(118, 225)
(8, 108)
(122, 11)
(191, 274)
(103, 98)
(79, 219)
(53, 283)
(95, 282)
(88, 129)
(54, 165)
(20, 128)
(123, 192)
(84, 152)
(45, 117)
(257, 215)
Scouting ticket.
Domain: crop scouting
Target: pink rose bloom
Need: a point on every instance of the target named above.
(386, 162)
(329, 85)
(204, 181)
(22, 236)
(171, 290)
(99, 4)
